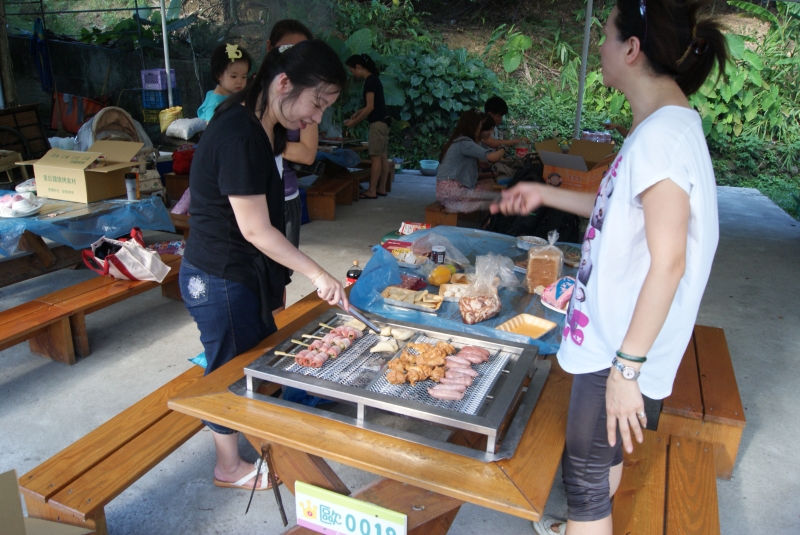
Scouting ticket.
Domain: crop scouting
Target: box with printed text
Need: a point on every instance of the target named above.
(582, 169)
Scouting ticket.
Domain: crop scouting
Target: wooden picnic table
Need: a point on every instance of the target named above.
(427, 484)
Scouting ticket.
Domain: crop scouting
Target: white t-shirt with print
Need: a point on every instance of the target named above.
(615, 260)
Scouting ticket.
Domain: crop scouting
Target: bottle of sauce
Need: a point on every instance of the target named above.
(352, 274)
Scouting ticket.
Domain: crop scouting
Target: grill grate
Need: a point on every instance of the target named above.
(358, 367)
(473, 397)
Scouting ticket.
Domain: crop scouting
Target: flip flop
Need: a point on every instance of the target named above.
(543, 527)
(382, 194)
(362, 196)
(241, 484)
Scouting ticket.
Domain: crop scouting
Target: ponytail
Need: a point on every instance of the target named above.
(673, 40)
(308, 64)
(365, 61)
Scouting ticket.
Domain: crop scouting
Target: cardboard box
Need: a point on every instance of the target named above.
(65, 174)
(13, 523)
(582, 169)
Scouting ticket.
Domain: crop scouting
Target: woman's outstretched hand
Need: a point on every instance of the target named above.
(522, 199)
(330, 289)
(624, 405)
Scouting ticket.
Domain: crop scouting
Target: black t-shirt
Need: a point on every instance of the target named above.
(373, 85)
(234, 157)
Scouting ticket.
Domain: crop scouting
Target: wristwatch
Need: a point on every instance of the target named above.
(631, 374)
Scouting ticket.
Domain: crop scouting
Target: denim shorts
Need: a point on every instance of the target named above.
(228, 315)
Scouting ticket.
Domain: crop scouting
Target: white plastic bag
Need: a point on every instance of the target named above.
(186, 128)
(423, 246)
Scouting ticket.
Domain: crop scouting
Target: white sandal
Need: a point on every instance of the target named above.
(241, 484)
(543, 527)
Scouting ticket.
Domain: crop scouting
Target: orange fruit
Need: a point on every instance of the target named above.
(439, 275)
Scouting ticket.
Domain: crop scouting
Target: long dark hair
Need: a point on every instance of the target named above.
(287, 27)
(308, 64)
(467, 126)
(673, 40)
(364, 60)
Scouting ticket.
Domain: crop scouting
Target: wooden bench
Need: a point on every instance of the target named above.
(435, 215)
(705, 402)
(181, 222)
(75, 485)
(323, 196)
(55, 324)
(668, 487)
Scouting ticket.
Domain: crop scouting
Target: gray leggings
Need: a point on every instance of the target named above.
(587, 455)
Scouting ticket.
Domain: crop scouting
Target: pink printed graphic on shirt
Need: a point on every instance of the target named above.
(576, 319)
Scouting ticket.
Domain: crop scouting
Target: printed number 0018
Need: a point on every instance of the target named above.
(365, 528)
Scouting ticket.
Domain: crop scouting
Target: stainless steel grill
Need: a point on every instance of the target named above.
(359, 376)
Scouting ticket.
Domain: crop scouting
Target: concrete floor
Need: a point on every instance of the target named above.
(142, 343)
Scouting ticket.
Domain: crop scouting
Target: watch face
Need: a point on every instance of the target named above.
(629, 373)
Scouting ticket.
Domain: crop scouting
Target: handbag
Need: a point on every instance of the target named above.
(125, 259)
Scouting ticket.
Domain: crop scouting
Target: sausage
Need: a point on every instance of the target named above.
(453, 359)
(478, 350)
(459, 380)
(446, 395)
(456, 372)
(472, 357)
(443, 386)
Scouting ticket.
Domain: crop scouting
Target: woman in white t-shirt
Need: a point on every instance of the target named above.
(647, 252)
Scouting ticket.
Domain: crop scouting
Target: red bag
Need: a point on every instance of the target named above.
(182, 160)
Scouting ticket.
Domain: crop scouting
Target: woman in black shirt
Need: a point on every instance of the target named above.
(362, 66)
(237, 212)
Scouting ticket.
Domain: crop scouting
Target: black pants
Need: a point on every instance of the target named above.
(587, 455)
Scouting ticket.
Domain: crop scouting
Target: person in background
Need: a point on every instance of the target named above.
(237, 216)
(301, 146)
(229, 67)
(497, 108)
(458, 187)
(647, 252)
(363, 67)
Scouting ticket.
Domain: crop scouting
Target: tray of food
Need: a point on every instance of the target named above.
(421, 300)
(437, 376)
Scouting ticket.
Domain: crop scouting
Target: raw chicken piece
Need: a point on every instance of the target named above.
(396, 377)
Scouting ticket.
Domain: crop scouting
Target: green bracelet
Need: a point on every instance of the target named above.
(622, 355)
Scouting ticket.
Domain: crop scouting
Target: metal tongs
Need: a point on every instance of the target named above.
(359, 316)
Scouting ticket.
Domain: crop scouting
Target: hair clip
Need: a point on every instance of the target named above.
(233, 52)
(284, 48)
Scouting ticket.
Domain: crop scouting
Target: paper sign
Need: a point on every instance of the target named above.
(330, 513)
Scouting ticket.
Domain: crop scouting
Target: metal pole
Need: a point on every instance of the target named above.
(139, 32)
(587, 30)
(165, 37)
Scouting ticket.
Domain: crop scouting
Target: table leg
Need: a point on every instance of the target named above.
(35, 244)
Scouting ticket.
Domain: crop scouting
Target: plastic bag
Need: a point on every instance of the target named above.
(481, 301)
(545, 264)
(166, 117)
(423, 246)
(186, 128)
(381, 271)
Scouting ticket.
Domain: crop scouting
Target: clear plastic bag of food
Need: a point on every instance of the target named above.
(545, 264)
(424, 245)
(481, 302)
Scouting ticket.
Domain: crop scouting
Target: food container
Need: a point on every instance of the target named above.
(415, 300)
(457, 291)
(438, 254)
(526, 242)
(428, 167)
(528, 325)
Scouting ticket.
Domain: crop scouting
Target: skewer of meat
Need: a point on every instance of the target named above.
(299, 358)
(318, 360)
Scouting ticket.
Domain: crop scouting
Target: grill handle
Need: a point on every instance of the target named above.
(360, 316)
